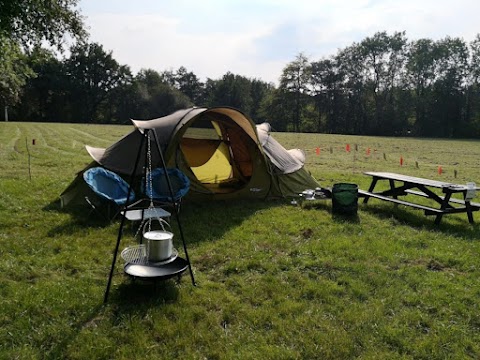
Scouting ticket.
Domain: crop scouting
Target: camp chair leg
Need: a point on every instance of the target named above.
(94, 209)
(107, 212)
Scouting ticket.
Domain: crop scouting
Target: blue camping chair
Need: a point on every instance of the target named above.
(160, 190)
(110, 189)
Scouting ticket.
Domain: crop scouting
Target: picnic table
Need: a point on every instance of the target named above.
(402, 185)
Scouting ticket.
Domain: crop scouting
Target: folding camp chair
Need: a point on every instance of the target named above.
(159, 189)
(111, 191)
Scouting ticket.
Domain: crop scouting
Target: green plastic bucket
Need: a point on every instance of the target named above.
(345, 199)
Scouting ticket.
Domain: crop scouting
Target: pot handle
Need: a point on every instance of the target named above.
(149, 223)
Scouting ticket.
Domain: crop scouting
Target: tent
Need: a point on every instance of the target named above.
(221, 151)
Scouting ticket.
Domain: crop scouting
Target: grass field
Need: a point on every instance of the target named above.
(275, 281)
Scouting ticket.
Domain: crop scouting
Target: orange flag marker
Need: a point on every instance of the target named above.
(347, 147)
(317, 150)
(440, 170)
(401, 161)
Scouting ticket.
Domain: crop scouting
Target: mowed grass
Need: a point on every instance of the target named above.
(274, 281)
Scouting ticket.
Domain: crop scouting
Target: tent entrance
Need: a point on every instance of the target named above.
(216, 155)
(209, 161)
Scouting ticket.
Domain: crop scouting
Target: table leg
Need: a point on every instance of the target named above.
(444, 205)
(370, 189)
(438, 219)
(468, 207)
(392, 187)
(469, 212)
(435, 197)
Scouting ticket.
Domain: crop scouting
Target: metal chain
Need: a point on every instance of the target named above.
(149, 176)
(140, 227)
(149, 170)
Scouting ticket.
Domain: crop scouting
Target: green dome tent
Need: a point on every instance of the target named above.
(222, 152)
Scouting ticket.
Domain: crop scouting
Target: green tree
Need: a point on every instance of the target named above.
(275, 110)
(420, 67)
(30, 22)
(189, 84)
(239, 92)
(154, 97)
(231, 90)
(14, 71)
(475, 60)
(327, 88)
(259, 91)
(44, 96)
(26, 23)
(472, 112)
(169, 77)
(294, 83)
(351, 63)
(451, 71)
(93, 74)
(384, 58)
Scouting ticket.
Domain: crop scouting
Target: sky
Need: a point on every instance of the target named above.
(258, 38)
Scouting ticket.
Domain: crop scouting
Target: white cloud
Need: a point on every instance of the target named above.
(257, 38)
(152, 41)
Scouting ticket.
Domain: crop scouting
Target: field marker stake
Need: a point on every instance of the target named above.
(29, 167)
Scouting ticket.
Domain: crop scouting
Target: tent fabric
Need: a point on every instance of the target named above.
(95, 153)
(78, 189)
(220, 150)
(108, 185)
(217, 168)
(198, 151)
(286, 161)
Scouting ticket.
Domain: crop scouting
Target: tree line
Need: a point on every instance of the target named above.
(382, 85)
(90, 86)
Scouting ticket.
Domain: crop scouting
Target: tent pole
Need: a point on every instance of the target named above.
(175, 206)
(122, 223)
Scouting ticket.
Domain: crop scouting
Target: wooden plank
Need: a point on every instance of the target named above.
(428, 209)
(409, 179)
(363, 193)
(456, 201)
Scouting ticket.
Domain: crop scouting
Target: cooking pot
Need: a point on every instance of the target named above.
(159, 245)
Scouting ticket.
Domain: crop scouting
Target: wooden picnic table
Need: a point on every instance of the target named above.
(402, 185)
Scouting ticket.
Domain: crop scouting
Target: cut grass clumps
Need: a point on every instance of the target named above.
(274, 281)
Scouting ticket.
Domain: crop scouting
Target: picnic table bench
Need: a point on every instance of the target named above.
(402, 185)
